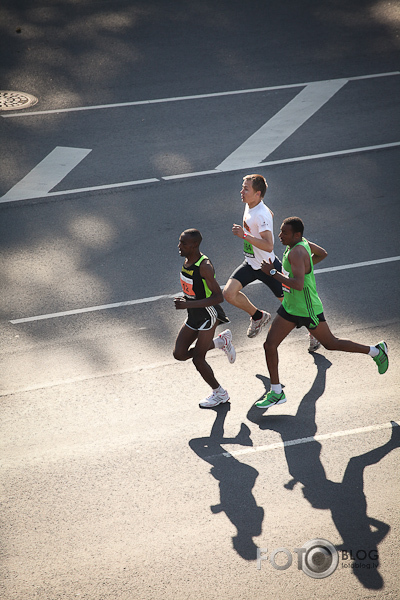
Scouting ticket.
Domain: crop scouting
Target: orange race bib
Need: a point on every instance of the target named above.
(187, 286)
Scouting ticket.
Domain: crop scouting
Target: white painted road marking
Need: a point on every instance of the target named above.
(47, 174)
(201, 173)
(285, 161)
(109, 186)
(169, 296)
(282, 125)
(316, 438)
(79, 311)
(193, 97)
(262, 143)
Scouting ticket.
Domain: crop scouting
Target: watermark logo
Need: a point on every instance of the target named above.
(316, 558)
(361, 559)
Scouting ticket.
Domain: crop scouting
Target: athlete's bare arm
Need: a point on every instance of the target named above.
(266, 243)
(318, 253)
(300, 263)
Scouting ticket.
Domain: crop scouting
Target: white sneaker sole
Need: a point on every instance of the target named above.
(213, 404)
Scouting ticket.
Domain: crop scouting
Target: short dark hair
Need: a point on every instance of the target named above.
(296, 224)
(194, 234)
(258, 183)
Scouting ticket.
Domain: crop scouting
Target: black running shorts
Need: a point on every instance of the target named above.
(245, 274)
(300, 321)
(202, 319)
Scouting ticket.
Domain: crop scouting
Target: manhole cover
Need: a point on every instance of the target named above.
(16, 100)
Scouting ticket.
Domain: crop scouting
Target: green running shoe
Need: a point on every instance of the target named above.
(270, 399)
(382, 360)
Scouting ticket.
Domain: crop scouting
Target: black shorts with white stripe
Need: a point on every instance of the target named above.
(202, 319)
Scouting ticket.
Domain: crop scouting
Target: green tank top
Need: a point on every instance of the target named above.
(305, 302)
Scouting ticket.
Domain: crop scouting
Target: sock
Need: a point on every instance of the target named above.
(276, 387)
(257, 315)
(218, 342)
(218, 390)
(373, 351)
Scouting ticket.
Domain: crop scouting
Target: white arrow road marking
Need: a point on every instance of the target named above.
(275, 131)
(39, 182)
(47, 174)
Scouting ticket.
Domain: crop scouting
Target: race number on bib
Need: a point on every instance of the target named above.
(187, 286)
(248, 249)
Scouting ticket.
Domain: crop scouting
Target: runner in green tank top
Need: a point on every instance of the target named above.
(302, 307)
(305, 302)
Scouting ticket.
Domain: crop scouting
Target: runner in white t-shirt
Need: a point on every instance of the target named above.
(258, 245)
(256, 221)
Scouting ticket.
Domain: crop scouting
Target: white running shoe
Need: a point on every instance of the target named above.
(255, 326)
(215, 399)
(228, 348)
(314, 343)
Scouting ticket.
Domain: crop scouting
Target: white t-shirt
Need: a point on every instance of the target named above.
(256, 220)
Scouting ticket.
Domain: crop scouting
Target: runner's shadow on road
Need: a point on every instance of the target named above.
(236, 482)
(346, 500)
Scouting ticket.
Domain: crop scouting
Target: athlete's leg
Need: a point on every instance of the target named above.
(278, 331)
(204, 341)
(186, 337)
(330, 342)
(233, 294)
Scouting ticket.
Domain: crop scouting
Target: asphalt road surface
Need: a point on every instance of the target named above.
(114, 484)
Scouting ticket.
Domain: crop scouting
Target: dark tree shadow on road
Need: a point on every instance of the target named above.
(236, 481)
(346, 500)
